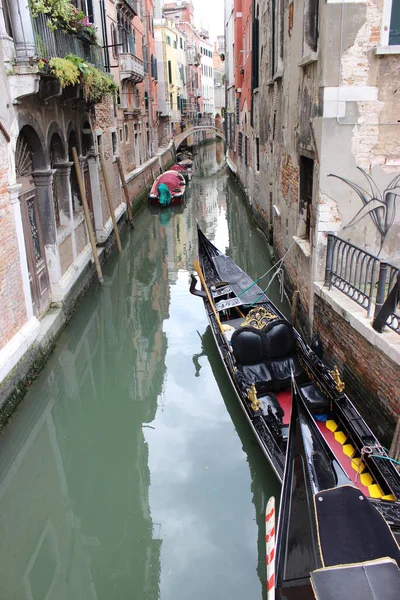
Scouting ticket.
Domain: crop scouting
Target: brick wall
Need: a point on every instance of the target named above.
(12, 302)
(371, 377)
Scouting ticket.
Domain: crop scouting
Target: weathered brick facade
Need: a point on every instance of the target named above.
(12, 301)
(371, 377)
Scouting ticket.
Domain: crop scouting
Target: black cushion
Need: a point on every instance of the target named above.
(259, 374)
(281, 370)
(279, 338)
(270, 403)
(313, 397)
(247, 346)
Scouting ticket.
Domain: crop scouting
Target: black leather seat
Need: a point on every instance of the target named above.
(266, 358)
(270, 404)
(282, 352)
(314, 398)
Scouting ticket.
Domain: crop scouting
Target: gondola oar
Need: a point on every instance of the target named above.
(197, 267)
(270, 547)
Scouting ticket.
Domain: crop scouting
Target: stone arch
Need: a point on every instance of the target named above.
(29, 153)
(72, 131)
(87, 138)
(56, 142)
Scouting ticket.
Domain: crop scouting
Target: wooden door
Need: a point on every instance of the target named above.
(38, 275)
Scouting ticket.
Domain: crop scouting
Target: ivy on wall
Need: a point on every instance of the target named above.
(73, 70)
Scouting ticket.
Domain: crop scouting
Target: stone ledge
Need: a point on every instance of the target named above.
(308, 59)
(382, 50)
(15, 349)
(304, 245)
(388, 341)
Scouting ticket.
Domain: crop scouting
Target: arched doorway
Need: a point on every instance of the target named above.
(87, 147)
(28, 157)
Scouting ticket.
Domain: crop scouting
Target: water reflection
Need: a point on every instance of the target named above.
(122, 473)
(263, 482)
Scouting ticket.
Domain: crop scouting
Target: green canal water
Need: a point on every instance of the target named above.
(128, 471)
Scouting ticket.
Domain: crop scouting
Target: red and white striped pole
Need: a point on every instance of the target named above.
(270, 546)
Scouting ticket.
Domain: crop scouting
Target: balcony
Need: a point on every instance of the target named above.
(131, 68)
(133, 5)
(57, 44)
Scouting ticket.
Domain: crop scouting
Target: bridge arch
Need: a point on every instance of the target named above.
(183, 136)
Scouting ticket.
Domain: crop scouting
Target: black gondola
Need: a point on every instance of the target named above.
(331, 542)
(260, 350)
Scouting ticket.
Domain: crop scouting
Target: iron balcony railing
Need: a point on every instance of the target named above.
(361, 276)
(388, 279)
(57, 44)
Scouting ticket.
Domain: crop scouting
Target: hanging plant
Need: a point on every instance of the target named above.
(72, 69)
(65, 16)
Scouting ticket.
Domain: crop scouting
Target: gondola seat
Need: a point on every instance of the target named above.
(266, 358)
(313, 398)
(270, 404)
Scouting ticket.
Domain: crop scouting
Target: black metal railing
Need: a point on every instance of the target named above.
(362, 277)
(388, 279)
(352, 270)
(57, 44)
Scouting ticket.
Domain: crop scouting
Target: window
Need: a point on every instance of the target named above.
(114, 142)
(255, 64)
(126, 34)
(176, 44)
(257, 154)
(391, 23)
(237, 111)
(306, 194)
(276, 39)
(120, 134)
(126, 132)
(168, 40)
(310, 26)
(246, 151)
(181, 44)
(171, 101)
(114, 41)
(169, 72)
(240, 144)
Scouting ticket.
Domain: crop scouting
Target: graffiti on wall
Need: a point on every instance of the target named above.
(380, 207)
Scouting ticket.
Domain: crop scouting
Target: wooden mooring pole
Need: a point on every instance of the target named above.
(125, 188)
(87, 215)
(110, 204)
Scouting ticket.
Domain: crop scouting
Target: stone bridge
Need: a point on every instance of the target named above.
(188, 132)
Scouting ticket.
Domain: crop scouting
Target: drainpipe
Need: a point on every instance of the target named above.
(105, 36)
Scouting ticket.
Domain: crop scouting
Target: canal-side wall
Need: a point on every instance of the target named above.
(368, 363)
(21, 375)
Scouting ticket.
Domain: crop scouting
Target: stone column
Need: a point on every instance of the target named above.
(44, 194)
(93, 164)
(45, 202)
(24, 38)
(62, 181)
(13, 191)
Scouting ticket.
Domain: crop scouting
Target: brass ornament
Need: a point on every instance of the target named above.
(252, 396)
(258, 318)
(340, 385)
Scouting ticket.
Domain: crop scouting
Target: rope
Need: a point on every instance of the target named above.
(397, 462)
(280, 262)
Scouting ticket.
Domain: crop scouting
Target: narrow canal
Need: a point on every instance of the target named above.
(128, 471)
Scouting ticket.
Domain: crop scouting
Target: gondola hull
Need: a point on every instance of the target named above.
(260, 350)
(176, 184)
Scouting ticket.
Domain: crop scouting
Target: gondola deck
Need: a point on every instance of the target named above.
(260, 351)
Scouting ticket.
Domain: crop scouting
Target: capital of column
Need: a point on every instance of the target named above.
(13, 190)
(43, 178)
(63, 169)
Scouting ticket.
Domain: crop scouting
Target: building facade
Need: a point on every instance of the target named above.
(313, 144)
